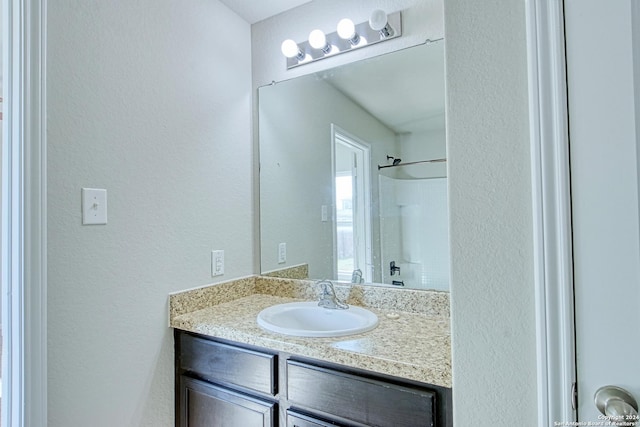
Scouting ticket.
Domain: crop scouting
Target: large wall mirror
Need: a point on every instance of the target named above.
(353, 183)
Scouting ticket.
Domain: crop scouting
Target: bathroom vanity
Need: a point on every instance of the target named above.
(231, 372)
(221, 383)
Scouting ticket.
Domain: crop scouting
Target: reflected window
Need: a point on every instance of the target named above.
(344, 225)
(352, 189)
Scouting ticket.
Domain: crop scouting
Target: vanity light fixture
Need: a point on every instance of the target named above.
(348, 36)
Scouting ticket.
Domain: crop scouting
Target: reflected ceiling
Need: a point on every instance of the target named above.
(414, 88)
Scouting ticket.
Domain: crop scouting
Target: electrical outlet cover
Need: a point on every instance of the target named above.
(282, 253)
(217, 263)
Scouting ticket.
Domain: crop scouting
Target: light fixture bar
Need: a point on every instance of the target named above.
(367, 36)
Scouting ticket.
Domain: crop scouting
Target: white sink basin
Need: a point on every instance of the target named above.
(306, 319)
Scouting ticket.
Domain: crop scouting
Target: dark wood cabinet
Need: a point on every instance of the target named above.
(204, 404)
(220, 383)
(223, 385)
(230, 365)
(295, 419)
(353, 398)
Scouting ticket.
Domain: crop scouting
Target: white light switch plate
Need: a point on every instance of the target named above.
(94, 206)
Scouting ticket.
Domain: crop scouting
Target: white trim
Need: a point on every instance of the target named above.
(24, 215)
(551, 211)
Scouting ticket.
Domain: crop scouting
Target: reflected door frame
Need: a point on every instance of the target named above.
(363, 214)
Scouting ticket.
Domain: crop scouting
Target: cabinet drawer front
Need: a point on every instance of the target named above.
(298, 420)
(205, 405)
(363, 400)
(228, 364)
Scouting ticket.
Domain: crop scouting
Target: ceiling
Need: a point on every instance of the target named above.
(253, 11)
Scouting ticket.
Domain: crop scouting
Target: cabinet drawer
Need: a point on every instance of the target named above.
(299, 420)
(362, 400)
(205, 405)
(228, 364)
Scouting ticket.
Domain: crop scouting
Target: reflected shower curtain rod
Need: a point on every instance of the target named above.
(413, 163)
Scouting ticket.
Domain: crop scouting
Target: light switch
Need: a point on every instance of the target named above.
(94, 206)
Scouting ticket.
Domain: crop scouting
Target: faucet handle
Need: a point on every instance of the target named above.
(326, 288)
(328, 298)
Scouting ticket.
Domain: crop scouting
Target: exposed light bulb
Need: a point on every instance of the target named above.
(378, 22)
(347, 31)
(290, 49)
(318, 40)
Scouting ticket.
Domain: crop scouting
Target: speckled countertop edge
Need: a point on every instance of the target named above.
(415, 346)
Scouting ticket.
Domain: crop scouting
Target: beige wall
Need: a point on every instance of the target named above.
(149, 100)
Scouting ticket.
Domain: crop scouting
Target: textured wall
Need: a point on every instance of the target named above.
(146, 100)
(494, 378)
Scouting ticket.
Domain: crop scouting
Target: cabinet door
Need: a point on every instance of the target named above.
(201, 404)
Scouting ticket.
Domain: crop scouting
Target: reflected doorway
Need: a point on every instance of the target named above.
(352, 198)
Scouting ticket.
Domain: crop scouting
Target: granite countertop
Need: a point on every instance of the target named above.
(414, 345)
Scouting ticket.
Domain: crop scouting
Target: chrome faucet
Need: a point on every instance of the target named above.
(328, 298)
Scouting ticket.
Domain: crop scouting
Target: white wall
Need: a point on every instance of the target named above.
(149, 101)
(492, 296)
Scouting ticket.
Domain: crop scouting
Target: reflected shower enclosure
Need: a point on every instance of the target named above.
(414, 232)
